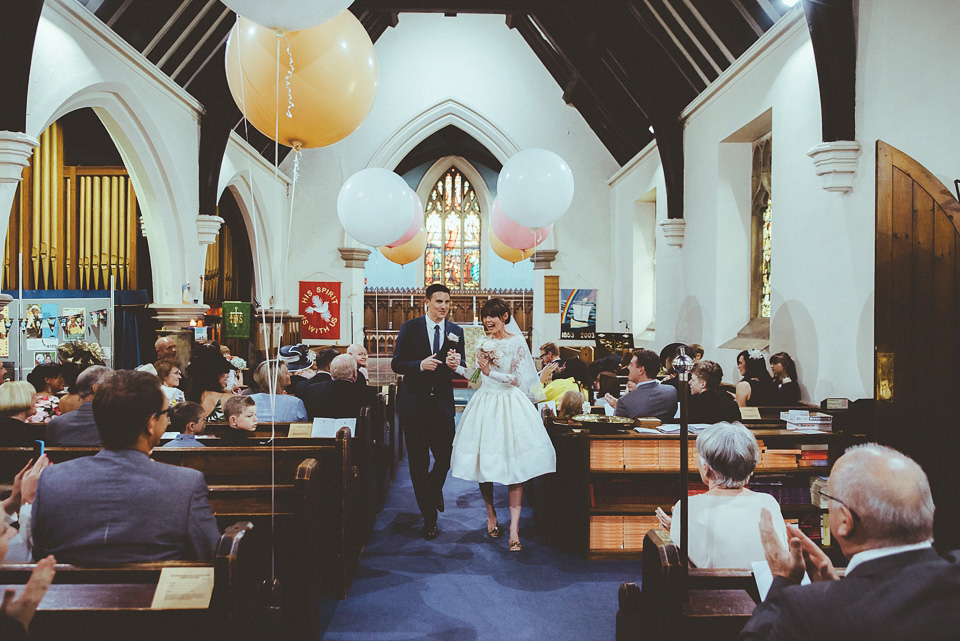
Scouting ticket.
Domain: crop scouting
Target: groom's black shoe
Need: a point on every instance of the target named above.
(430, 531)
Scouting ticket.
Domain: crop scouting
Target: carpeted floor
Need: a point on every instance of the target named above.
(464, 586)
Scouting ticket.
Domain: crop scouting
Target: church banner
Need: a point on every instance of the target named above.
(578, 314)
(236, 319)
(320, 308)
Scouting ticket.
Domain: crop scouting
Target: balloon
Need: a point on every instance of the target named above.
(288, 15)
(513, 235)
(408, 252)
(332, 86)
(414, 226)
(535, 188)
(376, 206)
(508, 253)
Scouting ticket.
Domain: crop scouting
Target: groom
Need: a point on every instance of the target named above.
(425, 402)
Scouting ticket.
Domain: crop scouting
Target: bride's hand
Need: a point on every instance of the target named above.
(484, 362)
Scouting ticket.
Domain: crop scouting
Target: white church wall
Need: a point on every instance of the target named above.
(508, 96)
(822, 243)
(153, 123)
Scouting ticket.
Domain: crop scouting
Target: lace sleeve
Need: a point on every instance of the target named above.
(513, 376)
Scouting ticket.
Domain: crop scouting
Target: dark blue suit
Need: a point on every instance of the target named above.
(426, 410)
(121, 506)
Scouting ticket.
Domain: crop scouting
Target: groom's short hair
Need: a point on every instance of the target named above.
(433, 289)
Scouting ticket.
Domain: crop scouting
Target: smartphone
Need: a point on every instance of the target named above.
(37, 450)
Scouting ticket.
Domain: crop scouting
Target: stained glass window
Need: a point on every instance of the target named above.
(453, 233)
(762, 216)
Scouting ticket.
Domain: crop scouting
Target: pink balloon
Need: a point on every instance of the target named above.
(414, 226)
(513, 234)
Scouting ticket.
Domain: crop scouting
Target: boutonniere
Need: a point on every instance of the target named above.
(453, 338)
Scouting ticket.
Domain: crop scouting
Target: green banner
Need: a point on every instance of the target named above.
(236, 319)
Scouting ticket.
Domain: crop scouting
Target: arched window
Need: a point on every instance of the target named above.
(452, 220)
(762, 215)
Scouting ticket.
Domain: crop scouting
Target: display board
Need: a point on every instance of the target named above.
(33, 327)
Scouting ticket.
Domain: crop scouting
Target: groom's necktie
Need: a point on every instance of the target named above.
(436, 339)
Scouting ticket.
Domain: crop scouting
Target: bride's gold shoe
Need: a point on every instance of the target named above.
(495, 532)
(515, 546)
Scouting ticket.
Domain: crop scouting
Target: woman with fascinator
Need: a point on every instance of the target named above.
(501, 438)
(207, 380)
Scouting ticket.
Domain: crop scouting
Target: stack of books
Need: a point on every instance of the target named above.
(804, 420)
(778, 459)
(814, 455)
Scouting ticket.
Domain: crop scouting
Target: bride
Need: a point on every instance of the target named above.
(501, 437)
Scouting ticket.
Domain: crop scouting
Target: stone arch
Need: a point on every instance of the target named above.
(250, 202)
(146, 158)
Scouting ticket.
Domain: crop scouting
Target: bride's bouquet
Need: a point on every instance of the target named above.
(486, 348)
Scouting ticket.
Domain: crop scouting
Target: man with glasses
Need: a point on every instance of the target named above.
(120, 505)
(896, 585)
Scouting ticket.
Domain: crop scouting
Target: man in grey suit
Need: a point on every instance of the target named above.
(77, 428)
(650, 398)
(120, 505)
(896, 585)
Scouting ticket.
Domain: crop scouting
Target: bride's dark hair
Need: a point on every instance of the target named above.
(495, 308)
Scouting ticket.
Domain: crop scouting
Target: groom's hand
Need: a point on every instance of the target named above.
(429, 364)
(453, 359)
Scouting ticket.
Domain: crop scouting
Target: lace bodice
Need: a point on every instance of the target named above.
(508, 356)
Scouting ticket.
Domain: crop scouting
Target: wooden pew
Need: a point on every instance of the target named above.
(113, 603)
(719, 603)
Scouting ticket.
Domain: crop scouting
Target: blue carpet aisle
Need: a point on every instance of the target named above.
(465, 586)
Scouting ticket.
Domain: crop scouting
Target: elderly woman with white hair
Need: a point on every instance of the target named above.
(723, 521)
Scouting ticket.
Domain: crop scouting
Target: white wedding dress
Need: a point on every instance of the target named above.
(501, 437)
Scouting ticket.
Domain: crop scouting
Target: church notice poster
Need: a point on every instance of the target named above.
(320, 308)
(578, 314)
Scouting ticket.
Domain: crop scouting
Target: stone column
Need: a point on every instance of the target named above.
(351, 329)
(546, 327)
(15, 151)
(208, 227)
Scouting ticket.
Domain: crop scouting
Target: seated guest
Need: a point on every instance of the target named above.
(280, 407)
(16, 407)
(322, 362)
(166, 348)
(571, 376)
(340, 397)
(16, 615)
(206, 381)
(47, 380)
(359, 353)
(71, 400)
(120, 505)
(607, 383)
(235, 375)
(78, 428)
(300, 363)
(785, 379)
(570, 404)
(76, 356)
(649, 397)
(723, 529)
(756, 387)
(240, 413)
(896, 585)
(187, 419)
(695, 351)
(168, 371)
(549, 361)
(708, 404)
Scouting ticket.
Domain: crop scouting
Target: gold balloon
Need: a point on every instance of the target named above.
(506, 252)
(409, 251)
(332, 86)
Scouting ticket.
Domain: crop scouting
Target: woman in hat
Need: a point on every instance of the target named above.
(207, 379)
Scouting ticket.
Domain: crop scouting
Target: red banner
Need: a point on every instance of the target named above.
(320, 308)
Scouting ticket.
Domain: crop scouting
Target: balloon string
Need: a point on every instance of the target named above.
(289, 75)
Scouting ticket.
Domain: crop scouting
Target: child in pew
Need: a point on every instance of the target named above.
(187, 418)
(240, 413)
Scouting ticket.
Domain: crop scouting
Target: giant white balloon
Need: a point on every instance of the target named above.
(375, 206)
(288, 15)
(535, 188)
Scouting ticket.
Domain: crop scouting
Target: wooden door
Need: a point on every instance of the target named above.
(917, 326)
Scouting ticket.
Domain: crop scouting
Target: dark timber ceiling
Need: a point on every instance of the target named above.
(626, 66)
